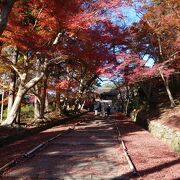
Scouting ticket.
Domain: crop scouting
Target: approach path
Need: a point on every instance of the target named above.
(91, 150)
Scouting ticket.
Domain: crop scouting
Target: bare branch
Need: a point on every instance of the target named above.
(39, 13)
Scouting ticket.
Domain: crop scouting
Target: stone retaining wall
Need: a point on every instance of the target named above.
(168, 135)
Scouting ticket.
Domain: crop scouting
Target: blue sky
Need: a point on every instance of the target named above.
(131, 17)
(150, 61)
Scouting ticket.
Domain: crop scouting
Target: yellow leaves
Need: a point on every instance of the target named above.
(3, 68)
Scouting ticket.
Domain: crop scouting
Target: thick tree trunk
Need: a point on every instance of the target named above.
(12, 85)
(23, 88)
(19, 96)
(11, 96)
(14, 110)
(167, 89)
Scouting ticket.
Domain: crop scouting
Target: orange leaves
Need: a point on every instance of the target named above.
(62, 85)
(164, 21)
(164, 15)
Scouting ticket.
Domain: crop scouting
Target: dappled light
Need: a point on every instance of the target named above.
(89, 89)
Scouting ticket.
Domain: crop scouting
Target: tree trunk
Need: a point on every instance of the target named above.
(19, 96)
(18, 118)
(23, 88)
(12, 85)
(77, 104)
(42, 107)
(57, 101)
(47, 103)
(11, 96)
(37, 108)
(127, 101)
(122, 101)
(126, 107)
(167, 89)
(82, 105)
(2, 105)
(14, 110)
(43, 96)
(2, 99)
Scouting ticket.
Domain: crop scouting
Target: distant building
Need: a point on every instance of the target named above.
(108, 96)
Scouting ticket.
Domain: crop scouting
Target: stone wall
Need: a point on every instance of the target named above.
(168, 135)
